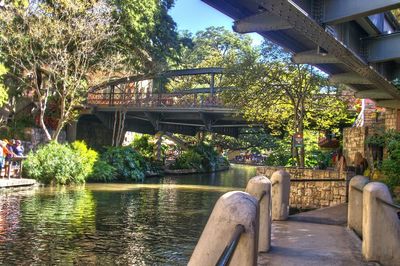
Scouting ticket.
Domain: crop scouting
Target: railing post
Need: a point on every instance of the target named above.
(232, 209)
(260, 188)
(280, 195)
(355, 204)
(381, 226)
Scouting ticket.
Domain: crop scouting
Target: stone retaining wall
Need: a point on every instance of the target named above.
(311, 188)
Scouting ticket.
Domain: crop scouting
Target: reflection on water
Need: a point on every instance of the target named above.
(145, 224)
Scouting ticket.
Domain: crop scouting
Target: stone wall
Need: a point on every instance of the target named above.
(311, 188)
(36, 136)
(391, 119)
(353, 142)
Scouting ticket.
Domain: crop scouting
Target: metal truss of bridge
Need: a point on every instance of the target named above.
(150, 109)
(357, 42)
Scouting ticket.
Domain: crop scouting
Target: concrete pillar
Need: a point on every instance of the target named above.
(231, 209)
(381, 226)
(280, 195)
(71, 131)
(260, 188)
(355, 205)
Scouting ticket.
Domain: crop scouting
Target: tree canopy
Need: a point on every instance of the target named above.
(56, 49)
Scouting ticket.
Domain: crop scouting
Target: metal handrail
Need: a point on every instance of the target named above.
(397, 207)
(230, 248)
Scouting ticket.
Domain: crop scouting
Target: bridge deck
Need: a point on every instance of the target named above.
(303, 240)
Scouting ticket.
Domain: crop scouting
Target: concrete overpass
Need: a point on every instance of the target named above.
(357, 42)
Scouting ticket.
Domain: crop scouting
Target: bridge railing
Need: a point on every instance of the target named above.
(195, 100)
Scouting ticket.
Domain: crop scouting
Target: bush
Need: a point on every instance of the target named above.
(103, 172)
(391, 165)
(202, 157)
(143, 146)
(129, 164)
(188, 160)
(87, 156)
(55, 163)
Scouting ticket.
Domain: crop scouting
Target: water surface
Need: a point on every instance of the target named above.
(156, 223)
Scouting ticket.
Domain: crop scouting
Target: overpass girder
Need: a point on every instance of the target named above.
(383, 48)
(263, 21)
(339, 11)
(348, 78)
(374, 94)
(313, 57)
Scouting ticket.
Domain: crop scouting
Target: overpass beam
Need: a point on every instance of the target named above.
(383, 48)
(263, 21)
(373, 94)
(339, 11)
(348, 78)
(313, 57)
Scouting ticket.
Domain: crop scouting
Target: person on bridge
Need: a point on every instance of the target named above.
(18, 149)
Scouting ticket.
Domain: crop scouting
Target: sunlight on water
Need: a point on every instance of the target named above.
(157, 223)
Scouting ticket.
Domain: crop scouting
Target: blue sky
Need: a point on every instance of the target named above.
(195, 15)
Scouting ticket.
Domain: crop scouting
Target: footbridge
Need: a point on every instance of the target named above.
(355, 41)
(149, 106)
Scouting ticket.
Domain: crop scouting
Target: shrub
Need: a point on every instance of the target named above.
(103, 172)
(188, 160)
(129, 164)
(55, 163)
(391, 165)
(87, 156)
(143, 145)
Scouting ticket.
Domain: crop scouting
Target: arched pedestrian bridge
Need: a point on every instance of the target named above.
(150, 107)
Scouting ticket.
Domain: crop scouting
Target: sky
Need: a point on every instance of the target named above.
(195, 15)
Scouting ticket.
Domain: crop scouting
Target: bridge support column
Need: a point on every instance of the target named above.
(355, 205)
(280, 195)
(381, 226)
(233, 209)
(260, 188)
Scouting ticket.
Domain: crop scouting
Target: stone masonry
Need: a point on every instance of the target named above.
(308, 188)
(353, 142)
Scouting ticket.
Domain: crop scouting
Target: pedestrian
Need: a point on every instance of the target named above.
(18, 149)
(2, 157)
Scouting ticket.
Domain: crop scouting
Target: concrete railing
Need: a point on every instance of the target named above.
(232, 209)
(373, 216)
(381, 225)
(260, 188)
(355, 204)
(240, 223)
(280, 195)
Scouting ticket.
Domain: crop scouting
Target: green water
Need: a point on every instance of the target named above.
(156, 223)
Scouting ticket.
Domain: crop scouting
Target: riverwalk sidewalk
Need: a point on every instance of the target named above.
(16, 182)
(317, 238)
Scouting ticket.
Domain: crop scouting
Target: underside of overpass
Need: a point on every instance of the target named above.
(356, 42)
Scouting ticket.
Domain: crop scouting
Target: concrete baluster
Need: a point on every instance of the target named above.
(381, 226)
(260, 188)
(280, 195)
(355, 205)
(231, 209)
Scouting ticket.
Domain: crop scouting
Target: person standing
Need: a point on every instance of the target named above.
(18, 149)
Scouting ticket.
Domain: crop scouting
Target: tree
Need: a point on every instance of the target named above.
(57, 49)
(285, 97)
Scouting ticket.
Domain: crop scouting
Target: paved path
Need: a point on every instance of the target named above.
(16, 182)
(311, 239)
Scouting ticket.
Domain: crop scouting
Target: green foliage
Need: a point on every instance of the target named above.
(144, 146)
(3, 90)
(391, 165)
(55, 164)
(87, 156)
(103, 172)
(201, 157)
(189, 159)
(280, 154)
(129, 164)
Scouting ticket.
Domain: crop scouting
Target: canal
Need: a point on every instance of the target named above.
(155, 223)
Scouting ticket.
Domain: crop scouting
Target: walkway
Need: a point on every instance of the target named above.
(16, 182)
(314, 238)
